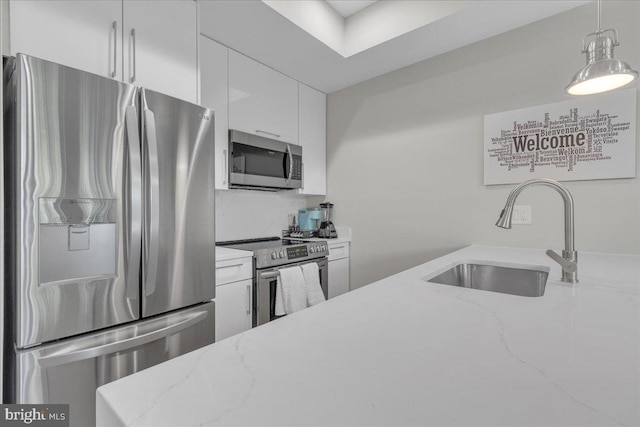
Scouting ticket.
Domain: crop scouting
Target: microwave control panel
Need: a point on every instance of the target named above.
(297, 169)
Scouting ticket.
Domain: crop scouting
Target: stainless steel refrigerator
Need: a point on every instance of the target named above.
(109, 232)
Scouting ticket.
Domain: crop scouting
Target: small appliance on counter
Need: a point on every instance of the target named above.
(299, 234)
(327, 230)
(308, 219)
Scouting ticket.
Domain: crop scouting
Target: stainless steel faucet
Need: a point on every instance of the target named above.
(569, 259)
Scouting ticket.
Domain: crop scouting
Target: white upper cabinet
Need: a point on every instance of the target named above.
(95, 36)
(313, 139)
(160, 53)
(262, 101)
(81, 34)
(214, 94)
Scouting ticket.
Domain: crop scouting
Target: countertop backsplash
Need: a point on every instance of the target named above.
(248, 214)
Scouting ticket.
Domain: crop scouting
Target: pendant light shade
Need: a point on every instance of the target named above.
(602, 72)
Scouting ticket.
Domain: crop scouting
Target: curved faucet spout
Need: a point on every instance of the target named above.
(505, 217)
(569, 253)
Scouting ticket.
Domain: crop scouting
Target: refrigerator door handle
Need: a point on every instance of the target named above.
(154, 202)
(124, 345)
(134, 203)
(115, 48)
(133, 60)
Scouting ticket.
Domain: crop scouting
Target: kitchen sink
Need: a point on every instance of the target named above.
(527, 281)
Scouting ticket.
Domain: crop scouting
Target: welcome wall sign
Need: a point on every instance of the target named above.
(584, 138)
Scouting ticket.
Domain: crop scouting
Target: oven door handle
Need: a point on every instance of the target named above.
(269, 275)
(275, 273)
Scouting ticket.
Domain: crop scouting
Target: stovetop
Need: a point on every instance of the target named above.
(274, 251)
(255, 244)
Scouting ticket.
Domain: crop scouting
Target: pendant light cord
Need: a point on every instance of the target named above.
(598, 28)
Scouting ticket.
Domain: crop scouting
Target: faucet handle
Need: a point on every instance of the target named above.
(568, 266)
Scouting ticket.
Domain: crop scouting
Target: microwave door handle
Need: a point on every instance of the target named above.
(290, 164)
(284, 166)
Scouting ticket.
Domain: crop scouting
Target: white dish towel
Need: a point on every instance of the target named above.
(311, 275)
(291, 292)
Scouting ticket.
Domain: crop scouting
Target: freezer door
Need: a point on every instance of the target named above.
(77, 203)
(179, 240)
(71, 371)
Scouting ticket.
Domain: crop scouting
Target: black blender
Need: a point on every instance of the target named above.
(327, 230)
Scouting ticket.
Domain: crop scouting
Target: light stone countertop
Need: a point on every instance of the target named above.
(405, 352)
(344, 236)
(226, 254)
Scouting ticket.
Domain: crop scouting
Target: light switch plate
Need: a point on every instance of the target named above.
(521, 214)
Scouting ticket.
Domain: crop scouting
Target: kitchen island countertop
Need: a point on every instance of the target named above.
(405, 352)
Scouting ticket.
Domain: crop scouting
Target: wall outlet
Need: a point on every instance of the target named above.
(521, 214)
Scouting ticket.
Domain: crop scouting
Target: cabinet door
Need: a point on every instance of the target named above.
(312, 134)
(262, 101)
(214, 94)
(338, 277)
(233, 309)
(86, 35)
(160, 46)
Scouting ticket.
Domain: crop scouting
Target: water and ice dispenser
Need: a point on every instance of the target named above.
(77, 239)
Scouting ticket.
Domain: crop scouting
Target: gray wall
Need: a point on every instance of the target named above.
(405, 165)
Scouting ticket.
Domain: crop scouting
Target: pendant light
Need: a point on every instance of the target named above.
(602, 73)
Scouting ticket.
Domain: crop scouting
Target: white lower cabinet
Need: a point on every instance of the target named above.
(338, 269)
(233, 308)
(234, 279)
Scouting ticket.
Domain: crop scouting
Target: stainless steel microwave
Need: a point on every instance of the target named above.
(260, 163)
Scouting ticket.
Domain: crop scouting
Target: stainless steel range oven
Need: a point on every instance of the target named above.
(269, 256)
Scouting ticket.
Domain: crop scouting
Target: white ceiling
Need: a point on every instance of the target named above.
(346, 8)
(258, 31)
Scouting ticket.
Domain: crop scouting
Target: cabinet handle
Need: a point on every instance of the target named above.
(302, 166)
(228, 266)
(268, 133)
(114, 26)
(248, 300)
(224, 166)
(133, 40)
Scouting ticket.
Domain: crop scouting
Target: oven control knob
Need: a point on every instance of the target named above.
(311, 249)
(281, 254)
(274, 255)
(318, 248)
